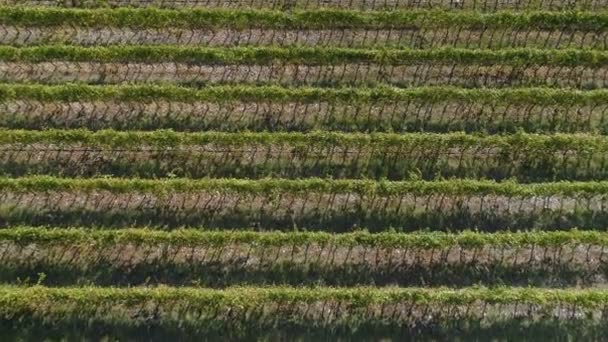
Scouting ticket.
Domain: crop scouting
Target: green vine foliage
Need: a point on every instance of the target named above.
(302, 55)
(339, 205)
(237, 312)
(237, 108)
(297, 155)
(222, 258)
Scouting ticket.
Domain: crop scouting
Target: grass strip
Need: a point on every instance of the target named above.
(346, 95)
(155, 18)
(200, 237)
(111, 139)
(302, 55)
(273, 185)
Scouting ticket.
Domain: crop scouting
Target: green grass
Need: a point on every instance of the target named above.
(343, 95)
(302, 55)
(299, 19)
(15, 298)
(269, 186)
(201, 237)
(170, 139)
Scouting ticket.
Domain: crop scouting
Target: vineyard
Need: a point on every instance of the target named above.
(333, 170)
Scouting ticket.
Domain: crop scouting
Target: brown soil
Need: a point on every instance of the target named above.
(400, 75)
(585, 256)
(287, 205)
(327, 313)
(293, 115)
(281, 160)
(412, 38)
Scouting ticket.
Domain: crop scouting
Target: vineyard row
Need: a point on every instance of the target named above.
(269, 108)
(387, 142)
(523, 157)
(416, 74)
(412, 38)
(224, 28)
(242, 312)
(131, 256)
(303, 55)
(306, 186)
(275, 115)
(202, 237)
(245, 93)
(313, 204)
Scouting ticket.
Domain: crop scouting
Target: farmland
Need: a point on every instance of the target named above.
(303, 169)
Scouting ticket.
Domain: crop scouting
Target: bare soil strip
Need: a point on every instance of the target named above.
(234, 116)
(297, 161)
(353, 38)
(570, 264)
(337, 212)
(299, 74)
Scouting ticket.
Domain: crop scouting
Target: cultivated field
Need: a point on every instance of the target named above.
(303, 170)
